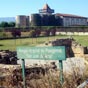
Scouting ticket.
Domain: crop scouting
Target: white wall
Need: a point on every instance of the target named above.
(68, 21)
(72, 33)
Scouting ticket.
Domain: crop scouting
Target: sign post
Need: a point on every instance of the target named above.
(23, 73)
(42, 53)
(61, 71)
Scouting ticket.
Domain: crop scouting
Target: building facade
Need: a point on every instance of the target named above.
(72, 20)
(47, 17)
(22, 21)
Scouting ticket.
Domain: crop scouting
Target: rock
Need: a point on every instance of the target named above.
(8, 57)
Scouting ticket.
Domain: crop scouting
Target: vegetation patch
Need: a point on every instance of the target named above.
(11, 44)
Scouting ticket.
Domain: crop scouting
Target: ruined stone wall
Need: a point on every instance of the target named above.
(78, 51)
(73, 48)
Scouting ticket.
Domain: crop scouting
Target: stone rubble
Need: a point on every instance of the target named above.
(11, 72)
(11, 75)
(8, 57)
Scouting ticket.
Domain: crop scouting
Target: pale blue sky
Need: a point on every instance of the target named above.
(11, 8)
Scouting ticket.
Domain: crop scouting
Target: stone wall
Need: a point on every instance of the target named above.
(73, 48)
(59, 29)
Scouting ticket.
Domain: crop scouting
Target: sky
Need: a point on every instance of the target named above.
(11, 8)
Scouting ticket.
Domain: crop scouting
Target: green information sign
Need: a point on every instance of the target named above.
(42, 53)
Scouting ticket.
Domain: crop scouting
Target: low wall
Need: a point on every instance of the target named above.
(72, 33)
(59, 29)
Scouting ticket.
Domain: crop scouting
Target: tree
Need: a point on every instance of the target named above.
(4, 24)
(11, 24)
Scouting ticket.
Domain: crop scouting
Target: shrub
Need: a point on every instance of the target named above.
(46, 30)
(32, 33)
(53, 32)
(3, 35)
(38, 32)
(16, 33)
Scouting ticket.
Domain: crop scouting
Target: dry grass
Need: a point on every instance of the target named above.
(50, 80)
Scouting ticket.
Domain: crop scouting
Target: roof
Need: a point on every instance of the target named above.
(46, 7)
(69, 15)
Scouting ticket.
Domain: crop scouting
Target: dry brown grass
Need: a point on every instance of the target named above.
(50, 80)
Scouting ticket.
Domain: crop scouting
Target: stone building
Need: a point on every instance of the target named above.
(22, 21)
(47, 17)
(71, 20)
